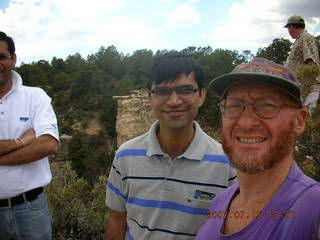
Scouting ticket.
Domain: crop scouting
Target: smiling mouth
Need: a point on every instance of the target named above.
(175, 111)
(251, 140)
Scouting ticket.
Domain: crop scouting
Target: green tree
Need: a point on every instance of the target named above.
(308, 150)
(277, 51)
(33, 75)
(138, 67)
(109, 60)
(78, 207)
(109, 114)
(61, 81)
(58, 65)
(88, 155)
(219, 62)
(124, 86)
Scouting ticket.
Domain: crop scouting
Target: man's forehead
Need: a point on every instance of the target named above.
(3, 46)
(182, 79)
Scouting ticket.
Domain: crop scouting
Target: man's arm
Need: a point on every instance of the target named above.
(37, 149)
(7, 146)
(116, 225)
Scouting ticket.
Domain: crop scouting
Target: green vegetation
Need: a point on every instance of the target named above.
(77, 207)
(82, 87)
(308, 147)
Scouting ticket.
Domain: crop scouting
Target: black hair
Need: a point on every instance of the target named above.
(298, 25)
(9, 41)
(169, 66)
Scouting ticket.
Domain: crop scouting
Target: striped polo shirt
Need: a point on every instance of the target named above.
(167, 198)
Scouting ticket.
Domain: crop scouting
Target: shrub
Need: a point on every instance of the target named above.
(78, 209)
(308, 150)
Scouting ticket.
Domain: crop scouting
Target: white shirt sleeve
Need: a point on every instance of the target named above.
(44, 120)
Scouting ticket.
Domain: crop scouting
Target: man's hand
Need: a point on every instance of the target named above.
(34, 149)
(7, 146)
(116, 225)
(28, 136)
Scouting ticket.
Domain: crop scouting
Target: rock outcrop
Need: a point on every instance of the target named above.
(134, 115)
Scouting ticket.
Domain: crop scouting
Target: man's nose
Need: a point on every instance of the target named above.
(248, 117)
(174, 98)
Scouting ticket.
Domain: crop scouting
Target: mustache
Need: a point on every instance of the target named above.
(257, 131)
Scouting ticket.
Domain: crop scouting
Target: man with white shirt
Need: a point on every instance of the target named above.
(28, 134)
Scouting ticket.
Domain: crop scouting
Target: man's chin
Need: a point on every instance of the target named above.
(3, 82)
(249, 163)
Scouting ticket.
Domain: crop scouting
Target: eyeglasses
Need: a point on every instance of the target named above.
(184, 92)
(263, 108)
(4, 57)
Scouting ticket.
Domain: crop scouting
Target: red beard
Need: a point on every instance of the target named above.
(277, 153)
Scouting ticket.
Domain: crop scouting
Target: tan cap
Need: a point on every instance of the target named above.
(294, 20)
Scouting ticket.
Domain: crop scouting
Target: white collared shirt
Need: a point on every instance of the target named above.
(23, 108)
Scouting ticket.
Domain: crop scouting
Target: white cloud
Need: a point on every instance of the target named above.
(255, 23)
(183, 16)
(127, 33)
(46, 27)
(193, 1)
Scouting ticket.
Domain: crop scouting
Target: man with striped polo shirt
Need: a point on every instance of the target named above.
(28, 134)
(161, 183)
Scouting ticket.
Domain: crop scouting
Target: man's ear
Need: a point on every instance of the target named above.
(300, 120)
(14, 60)
(202, 95)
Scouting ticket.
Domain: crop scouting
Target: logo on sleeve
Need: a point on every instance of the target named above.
(204, 196)
(24, 119)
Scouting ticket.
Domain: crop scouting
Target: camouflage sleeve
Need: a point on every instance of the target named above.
(310, 49)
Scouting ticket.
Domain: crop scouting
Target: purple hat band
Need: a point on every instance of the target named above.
(260, 70)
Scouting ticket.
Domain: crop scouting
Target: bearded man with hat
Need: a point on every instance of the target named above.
(262, 115)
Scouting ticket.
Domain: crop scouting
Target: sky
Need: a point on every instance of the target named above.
(43, 29)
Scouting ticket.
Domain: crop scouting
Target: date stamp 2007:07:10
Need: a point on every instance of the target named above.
(241, 214)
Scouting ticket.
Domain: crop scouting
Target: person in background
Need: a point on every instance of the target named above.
(263, 114)
(161, 183)
(305, 50)
(28, 134)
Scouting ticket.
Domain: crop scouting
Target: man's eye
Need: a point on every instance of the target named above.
(267, 105)
(162, 92)
(185, 91)
(2, 56)
(232, 106)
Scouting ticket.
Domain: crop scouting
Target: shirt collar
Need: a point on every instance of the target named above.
(16, 82)
(196, 150)
(302, 32)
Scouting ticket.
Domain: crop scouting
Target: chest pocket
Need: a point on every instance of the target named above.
(21, 122)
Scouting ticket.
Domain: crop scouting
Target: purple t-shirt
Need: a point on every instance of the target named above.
(293, 213)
